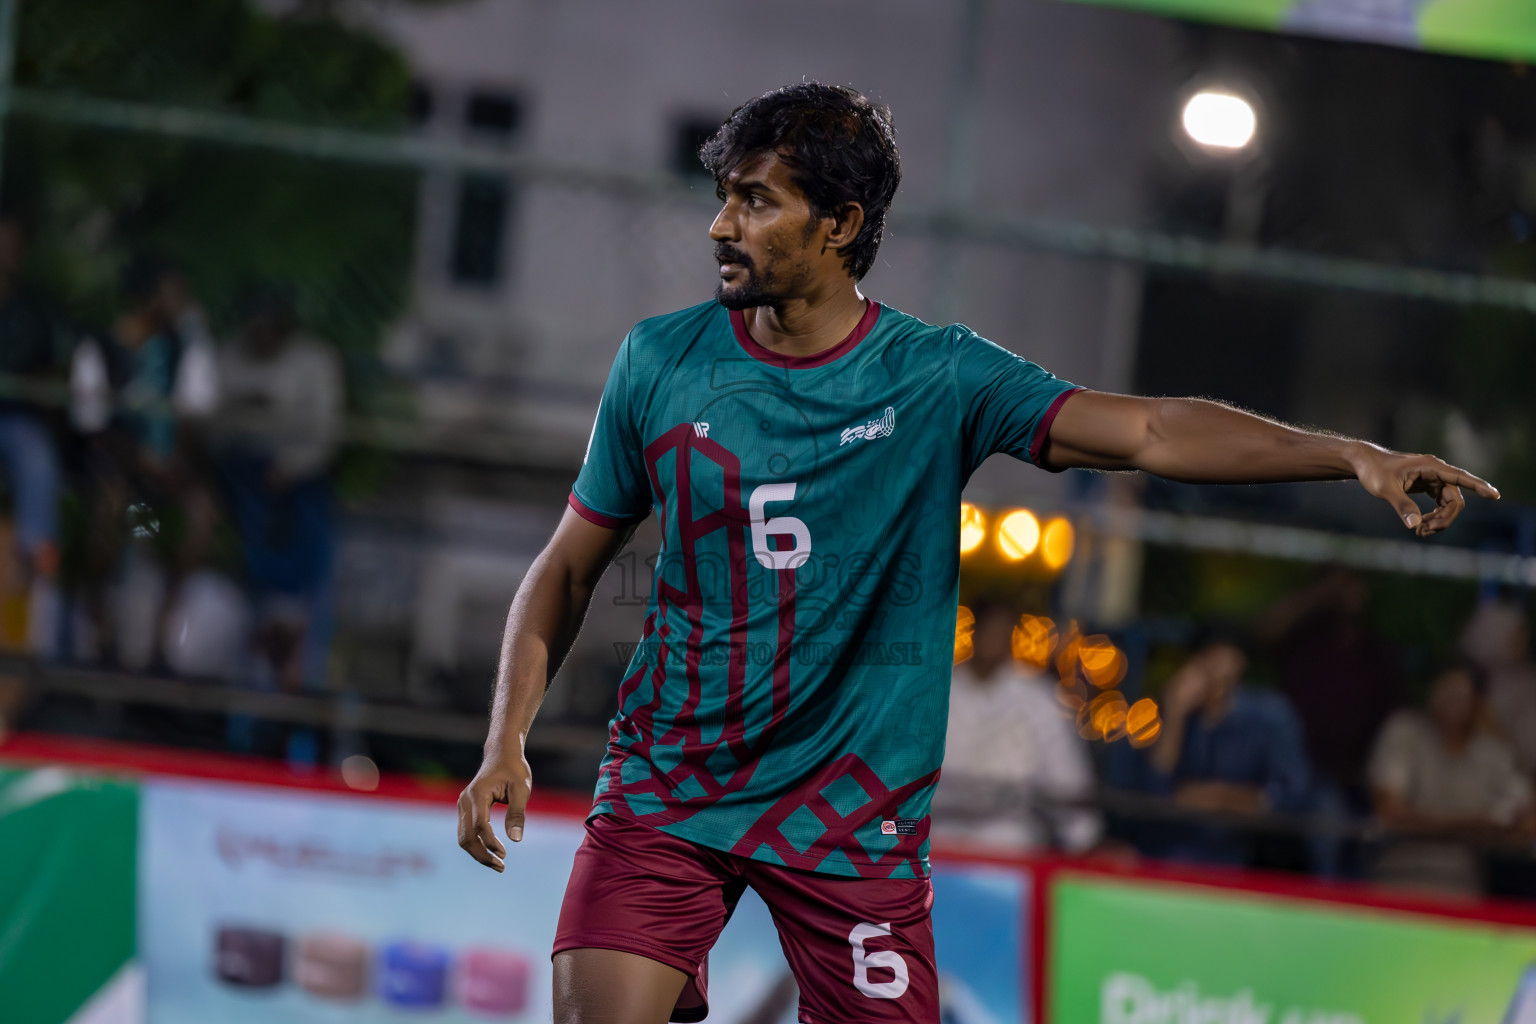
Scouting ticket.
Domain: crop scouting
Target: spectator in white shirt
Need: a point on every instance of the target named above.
(280, 424)
(1498, 638)
(1011, 750)
(1443, 776)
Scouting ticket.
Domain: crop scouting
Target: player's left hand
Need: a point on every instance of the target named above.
(1394, 477)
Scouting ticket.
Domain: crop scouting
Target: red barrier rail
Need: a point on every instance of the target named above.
(116, 758)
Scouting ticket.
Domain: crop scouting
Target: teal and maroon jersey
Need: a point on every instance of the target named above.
(788, 697)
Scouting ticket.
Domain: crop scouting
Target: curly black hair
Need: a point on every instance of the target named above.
(840, 146)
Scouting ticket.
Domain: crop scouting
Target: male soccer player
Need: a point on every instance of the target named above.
(803, 449)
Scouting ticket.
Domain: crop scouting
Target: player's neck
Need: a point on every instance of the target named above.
(807, 326)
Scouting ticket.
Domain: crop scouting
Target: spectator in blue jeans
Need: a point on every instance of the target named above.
(29, 462)
(1225, 748)
(279, 426)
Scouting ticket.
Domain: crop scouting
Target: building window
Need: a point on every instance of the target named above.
(479, 226)
(483, 202)
(493, 115)
(688, 134)
(418, 104)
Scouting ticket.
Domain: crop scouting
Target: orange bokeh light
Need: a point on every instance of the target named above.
(1143, 722)
(1103, 663)
(1034, 638)
(1056, 543)
(973, 527)
(1107, 713)
(1141, 714)
(1066, 653)
(965, 628)
(1149, 736)
(1085, 727)
(1095, 657)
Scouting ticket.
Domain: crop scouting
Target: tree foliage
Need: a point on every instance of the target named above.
(338, 234)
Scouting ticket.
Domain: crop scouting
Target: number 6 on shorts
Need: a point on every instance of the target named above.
(887, 958)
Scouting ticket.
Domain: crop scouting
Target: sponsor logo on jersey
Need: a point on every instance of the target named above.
(700, 429)
(899, 827)
(885, 426)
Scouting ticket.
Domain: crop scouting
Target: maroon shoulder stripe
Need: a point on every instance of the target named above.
(593, 516)
(1043, 431)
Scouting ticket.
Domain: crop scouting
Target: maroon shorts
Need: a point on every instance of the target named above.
(861, 949)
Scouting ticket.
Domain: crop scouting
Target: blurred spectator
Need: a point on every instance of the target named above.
(1444, 776)
(1341, 679)
(1497, 638)
(28, 458)
(195, 392)
(1009, 750)
(280, 424)
(1225, 748)
(128, 392)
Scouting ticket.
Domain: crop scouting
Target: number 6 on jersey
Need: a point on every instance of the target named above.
(887, 958)
(782, 526)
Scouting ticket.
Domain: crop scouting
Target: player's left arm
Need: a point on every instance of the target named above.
(1193, 440)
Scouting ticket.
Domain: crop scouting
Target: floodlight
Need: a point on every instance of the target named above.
(1220, 120)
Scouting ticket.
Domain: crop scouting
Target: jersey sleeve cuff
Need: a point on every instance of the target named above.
(600, 518)
(1043, 431)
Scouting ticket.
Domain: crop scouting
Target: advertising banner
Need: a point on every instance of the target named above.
(66, 897)
(1135, 953)
(262, 905)
(1497, 29)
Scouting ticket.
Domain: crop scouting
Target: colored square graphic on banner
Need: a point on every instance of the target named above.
(258, 905)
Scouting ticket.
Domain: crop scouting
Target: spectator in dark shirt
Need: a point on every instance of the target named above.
(1342, 680)
(1225, 748)
(123, 403)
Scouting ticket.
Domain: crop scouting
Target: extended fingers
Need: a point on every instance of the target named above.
(1433, 471)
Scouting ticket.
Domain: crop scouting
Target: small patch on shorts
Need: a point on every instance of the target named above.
(899, 827)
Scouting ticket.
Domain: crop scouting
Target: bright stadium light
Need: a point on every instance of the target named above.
(1220, 120)
(973, 527)
(1018, 534)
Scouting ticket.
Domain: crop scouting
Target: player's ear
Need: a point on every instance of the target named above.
(847, 221)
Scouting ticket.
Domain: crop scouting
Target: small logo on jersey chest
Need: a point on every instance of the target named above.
(700, 429)
(885, 426)
(899, 827)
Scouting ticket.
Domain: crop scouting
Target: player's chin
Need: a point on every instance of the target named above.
(738, 295)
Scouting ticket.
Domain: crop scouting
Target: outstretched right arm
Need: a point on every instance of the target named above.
(541, 626)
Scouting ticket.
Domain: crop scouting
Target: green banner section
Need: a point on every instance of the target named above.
(1128, 953)
(1497, 29)
(68, 852)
